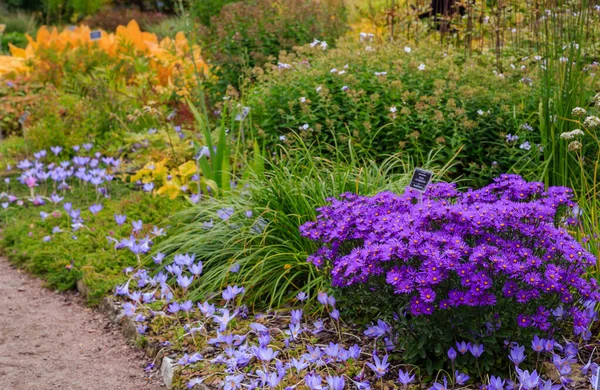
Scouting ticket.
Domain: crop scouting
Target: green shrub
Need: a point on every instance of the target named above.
(385, 99)
(204, 10)
(246, 34)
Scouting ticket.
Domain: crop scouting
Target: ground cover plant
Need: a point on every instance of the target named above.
(52, 225)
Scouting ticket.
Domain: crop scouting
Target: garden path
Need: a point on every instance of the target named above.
(51, 341)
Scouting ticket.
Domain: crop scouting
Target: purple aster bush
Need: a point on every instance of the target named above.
(483, 265)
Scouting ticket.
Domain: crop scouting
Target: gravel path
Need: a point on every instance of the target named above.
(52, 341)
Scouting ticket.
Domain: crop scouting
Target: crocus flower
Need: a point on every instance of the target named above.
(301, 296)
(439, 386)
(380, 367)
(476, 350)
(527, 380)
(537, 344)
(137, 225)
(158, 258)
(461, 377)
(95, 208)
(313, 381)
(463, 347)
(496, 383)
(296, 316)
(405, 378)
(336, 382)
(517, 355)
(451, 354)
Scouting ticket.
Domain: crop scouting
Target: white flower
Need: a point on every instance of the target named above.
(281, 65)
(369, 48)
(323, 45)
(302, 99)
(318, 89)
(380, 74)
(342, 72)
(303, 127)
(579, 111)
(393, 109)
(591, 122)
(525, 145)
(480, 112)
(282, 138)
(346, 66)
(422, 67)
(333, 70)
(407, 49)
(345, 88)
(315, 43)
(575, 145)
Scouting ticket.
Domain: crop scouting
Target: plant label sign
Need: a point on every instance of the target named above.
(96, 34)
(23, 118)
(421, 179)
(243, 114)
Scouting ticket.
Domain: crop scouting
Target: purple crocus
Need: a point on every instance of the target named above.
(336, 382)
(517, 354)
(137, 225)
(496, 383)
(476, 350)
(463, 347)
(439, 386)
(460, 377)
(529, 381)
(95, 208)
(537, 344)
(380, 367)
(405, 378)
(451, 354)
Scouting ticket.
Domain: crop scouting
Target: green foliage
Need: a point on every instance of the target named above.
(68, 120)
(15, 38)
(248, 34)
(18, 21)
(204, 10)
(375, 97)
(85, 254)
(261, 236)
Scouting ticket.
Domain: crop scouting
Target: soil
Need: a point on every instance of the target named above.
(52, 341)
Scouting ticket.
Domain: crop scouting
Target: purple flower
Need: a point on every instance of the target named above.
(231, 292)
(313, 381)
(296, 316)
(95, 208)
(336, 382)
(184, 281)
(158, 258)
(461, 377)
(265, 354)
(148, 187)
(451, 354)
(476, 350)
(463, 347)
(322, 298)
(517, 355)
(225, 213)
(56, 150)
(527, 380)
(380, 367)
(405, 378)
(439, 386)
(335, 314)
(302, 296)
(537, 344)
(137, 225)
(496, 383)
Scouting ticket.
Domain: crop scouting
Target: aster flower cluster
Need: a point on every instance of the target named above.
(445, 253)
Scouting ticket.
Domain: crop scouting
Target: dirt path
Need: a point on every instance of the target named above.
(51, 341)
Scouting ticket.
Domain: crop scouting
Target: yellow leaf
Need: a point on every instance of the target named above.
(170, 188)
(187, 169)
